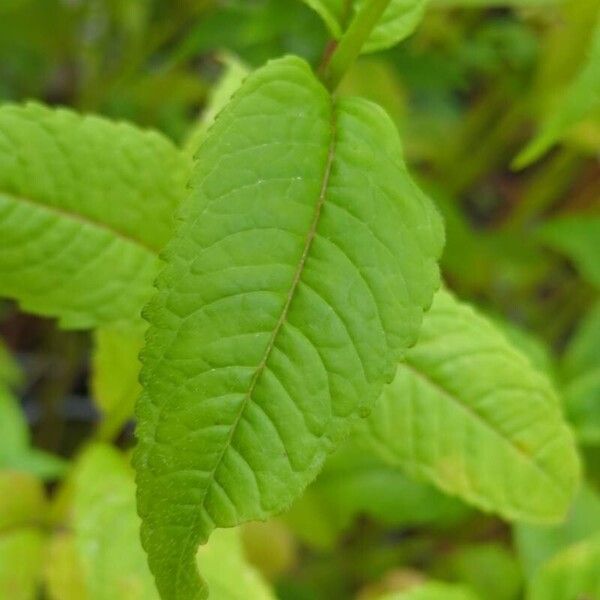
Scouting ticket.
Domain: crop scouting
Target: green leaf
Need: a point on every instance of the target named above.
(85, 204)
(106, 528)
(468, 412)
(538, 544)
(489, 569)
(22, 512)
(106, 549)
(579, 101)
(581, 379)
(495, 3)
(434, 590)
(10, 372)
(398, 21)
(527, 343)
(63, 575)
(299, 275)
(115, 373)
(578, 237)
(234, 73)
(356, 482)
(227, 572)
(22, 501)
(21, 559)
(573, 574)
(15, 450)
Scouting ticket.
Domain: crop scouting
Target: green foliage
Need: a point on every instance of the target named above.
(354, 483)
(16, 452)
(102, 558)
(22, 510)
(578, 237)
(573, 573)
(115, 373)
(106, 548)
(307, 297)
(581, 379)
(491, 570)
(299, 366)
(434, 591)
(231, 79)
(537, 544)
(399, 20)
(84, 206)
(469, 413)
(579, 101)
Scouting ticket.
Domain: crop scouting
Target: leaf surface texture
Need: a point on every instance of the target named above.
(297, 278)
(468, 412)
(85, 204)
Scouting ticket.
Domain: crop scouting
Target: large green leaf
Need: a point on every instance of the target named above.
(398, 21)
(102, 557)
(15, 450)
(573, 574)
(85, 204)
(581, 100)
(299, 275)
(468, 412)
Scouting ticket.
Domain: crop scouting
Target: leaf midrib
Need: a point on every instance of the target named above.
(79, 218)
(310, 236)
(478, 418)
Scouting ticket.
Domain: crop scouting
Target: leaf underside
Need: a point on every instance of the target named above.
(299, 274)
(469, 412)
(85, 204)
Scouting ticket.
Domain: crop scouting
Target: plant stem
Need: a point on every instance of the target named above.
(333, 70)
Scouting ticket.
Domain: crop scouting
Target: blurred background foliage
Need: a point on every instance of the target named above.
(469, 90)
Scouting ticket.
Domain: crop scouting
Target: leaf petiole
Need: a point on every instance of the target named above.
(332, 71)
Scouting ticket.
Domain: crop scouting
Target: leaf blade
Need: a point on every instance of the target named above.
(85, 204)
(469, 413)
(313, 318)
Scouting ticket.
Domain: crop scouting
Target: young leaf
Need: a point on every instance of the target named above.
(469, 413)
(115, 374)
(22, 512)
(15, 451)
(398, 21)
(537, 544)
(579, 101)
(433, 590)
(299, 275)
(581, 379)
(578, 237)
(10, 372)
(490, 569)
(105, 543)
(571, 574)
(234, 73)
(85, 204)
(356, 482)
